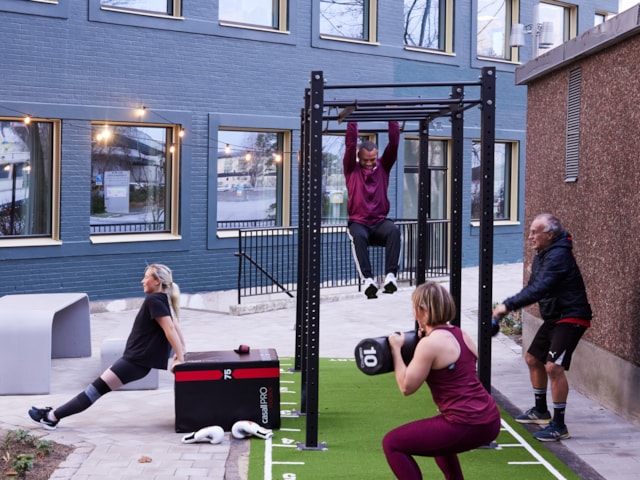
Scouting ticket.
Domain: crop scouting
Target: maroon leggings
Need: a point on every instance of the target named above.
(434, 437)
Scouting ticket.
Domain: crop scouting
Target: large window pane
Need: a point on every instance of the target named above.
(503, 170)
(345, 18)
(26, 178)
(249, 178)
(131, 179)
(424, 23)
(262, 13)
(157, 6)
(438, 168)
(494, 18)
(559, 16)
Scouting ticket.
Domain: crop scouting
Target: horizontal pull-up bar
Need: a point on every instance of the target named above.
(391, 103)
(405, 85)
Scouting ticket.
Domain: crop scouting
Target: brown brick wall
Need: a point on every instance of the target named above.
(602, 209)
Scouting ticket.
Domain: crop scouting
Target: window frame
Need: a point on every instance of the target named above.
(54, 237)
(446, 143)
(174, 177)
(448, 23)
(45, 8)
(283, 194)
(371, 24)
(176, 10)
(217, 238)
(513, 195)
(283, 20)
(512, 17)
(570, 21)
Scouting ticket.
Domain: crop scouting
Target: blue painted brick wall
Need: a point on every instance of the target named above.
(75, 63)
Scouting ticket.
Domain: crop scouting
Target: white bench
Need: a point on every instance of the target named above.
(112, 349)
(34, 328)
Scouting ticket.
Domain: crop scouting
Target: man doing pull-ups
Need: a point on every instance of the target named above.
(367, 180)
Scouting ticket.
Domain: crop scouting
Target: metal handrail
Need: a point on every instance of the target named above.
(267, 257)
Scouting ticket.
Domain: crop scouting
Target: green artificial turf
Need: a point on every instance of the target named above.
(355, 411)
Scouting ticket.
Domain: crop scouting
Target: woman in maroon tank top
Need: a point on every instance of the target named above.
(445, 358)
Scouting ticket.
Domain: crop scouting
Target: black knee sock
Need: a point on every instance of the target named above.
(83, 400)
(558, 413)
(540, 396)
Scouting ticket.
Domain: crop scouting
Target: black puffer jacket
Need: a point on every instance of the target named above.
(555, 283)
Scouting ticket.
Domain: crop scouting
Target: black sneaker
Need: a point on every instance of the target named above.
(534, 416)
(40, 416)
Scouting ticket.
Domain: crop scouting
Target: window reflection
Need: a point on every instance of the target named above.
(424, 23)
(494, 23)
(501, 181)
(158, 6)
(131, 171)
(344, 18)
(26, 178)
(249, 189)
(263, 13)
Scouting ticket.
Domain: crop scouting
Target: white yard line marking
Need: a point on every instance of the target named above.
(268, 459)
(530, 449)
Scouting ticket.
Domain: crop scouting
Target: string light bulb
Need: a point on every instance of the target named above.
(277, 157)
(172, 148)
(27, 120)
(227, 149)
(181, 133)
(141, 111)
(247, 157)
(105, 134)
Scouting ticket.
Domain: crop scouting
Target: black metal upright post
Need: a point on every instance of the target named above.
(485, 281)
(455, 240)
(424, 203)
(303, 203)
(313, 238)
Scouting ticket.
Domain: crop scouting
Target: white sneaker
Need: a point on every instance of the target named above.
(370, 288)
(390, 283)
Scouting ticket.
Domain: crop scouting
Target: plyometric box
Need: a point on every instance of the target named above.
(220, 388)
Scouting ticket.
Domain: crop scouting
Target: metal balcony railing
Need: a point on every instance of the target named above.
(268, 257)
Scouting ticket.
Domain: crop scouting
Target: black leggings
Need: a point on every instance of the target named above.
(126, 372)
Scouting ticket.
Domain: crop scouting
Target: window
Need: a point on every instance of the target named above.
(29, 178)
(438, 167)
(134, 179)
(495, 18)
(349, 19)
(429, 24)
(504, 181)
(563, 18)
(600, 17)
(270, 14)
(165, 7)
(252, 166)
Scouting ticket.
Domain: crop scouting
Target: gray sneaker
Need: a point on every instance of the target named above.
(534, 416)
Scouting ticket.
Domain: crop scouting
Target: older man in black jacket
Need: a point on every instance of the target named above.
(557, 285)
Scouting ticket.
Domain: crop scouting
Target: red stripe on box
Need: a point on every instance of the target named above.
(238, 373)
(256, 373)
(198, 375)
